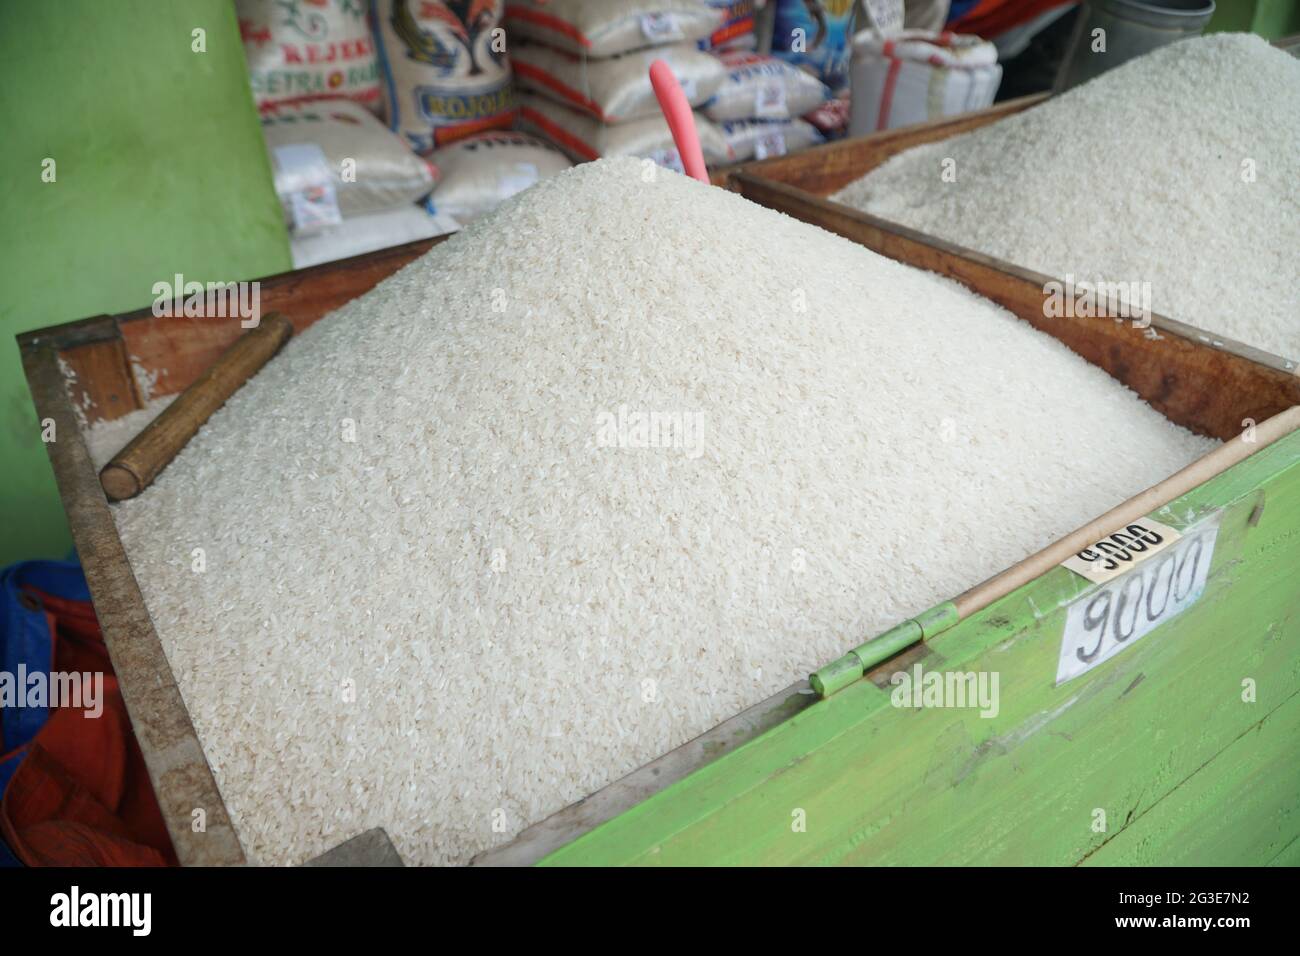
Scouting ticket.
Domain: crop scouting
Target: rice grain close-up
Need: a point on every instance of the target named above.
(622, 458)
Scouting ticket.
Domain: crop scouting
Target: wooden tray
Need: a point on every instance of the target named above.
(709, 800)
(1195, 378)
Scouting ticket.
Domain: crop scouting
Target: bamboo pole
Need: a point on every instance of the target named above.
(135, 467)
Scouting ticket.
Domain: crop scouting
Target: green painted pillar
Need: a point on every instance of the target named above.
(159, 168)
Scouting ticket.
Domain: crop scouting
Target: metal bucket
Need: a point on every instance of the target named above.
(1131, 28)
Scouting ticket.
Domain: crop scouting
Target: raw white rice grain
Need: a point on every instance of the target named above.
(104, 439)
(446, 592)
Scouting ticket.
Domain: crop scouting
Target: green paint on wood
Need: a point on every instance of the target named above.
(1241, 809)
(160, 168)
(1123, 763)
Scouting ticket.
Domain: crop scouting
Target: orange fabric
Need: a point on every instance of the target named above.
(82, 796)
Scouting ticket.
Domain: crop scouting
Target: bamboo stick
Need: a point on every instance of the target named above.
(135, 467)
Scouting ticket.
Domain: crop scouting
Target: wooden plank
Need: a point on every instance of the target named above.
(178, 349)
(1238, 810)
(372, 848)
(102, 384)
(182, 781)
(886, 785)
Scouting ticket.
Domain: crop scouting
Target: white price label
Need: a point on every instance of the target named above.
(1125, 609)
(770, 102)
(658, 27)
(769, 144)
(304, 172)
(1116, 553)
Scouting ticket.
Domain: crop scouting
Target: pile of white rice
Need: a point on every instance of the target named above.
(447, 588)
(1178, 169)
(106, 438)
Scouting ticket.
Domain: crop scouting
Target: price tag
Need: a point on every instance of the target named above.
(769, 144)
(770, 102)
(305, 174)
(661, 26)
(1126, 608)
(1116, 553)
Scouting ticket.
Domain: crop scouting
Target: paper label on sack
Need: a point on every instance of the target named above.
(659, 27)
(517, 179)
(770, 102)
(313, 203)
(1115, 616)
(1122, 549)
(770, 144)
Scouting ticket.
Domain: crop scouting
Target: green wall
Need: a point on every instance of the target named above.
(1271, 19)
(160, 169)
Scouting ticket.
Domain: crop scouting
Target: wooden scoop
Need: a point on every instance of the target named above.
(135, 467)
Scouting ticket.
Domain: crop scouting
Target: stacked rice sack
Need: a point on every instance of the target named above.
(816, 36)
(910, 76)
(584, 69)
(347, 184)
(739, 27)
(759, 105)
(444, 69)
(478, 173)
(298, 52)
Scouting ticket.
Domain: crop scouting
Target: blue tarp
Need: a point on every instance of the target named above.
(25, 646)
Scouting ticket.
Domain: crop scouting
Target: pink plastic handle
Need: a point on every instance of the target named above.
(681, 120)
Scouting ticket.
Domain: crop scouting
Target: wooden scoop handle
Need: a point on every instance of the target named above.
(135, 467)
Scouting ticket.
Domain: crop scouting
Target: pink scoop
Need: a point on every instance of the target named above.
(681, 120)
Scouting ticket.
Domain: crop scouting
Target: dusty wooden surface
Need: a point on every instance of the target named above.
(372, 848)
(191, 804)
(135, 467)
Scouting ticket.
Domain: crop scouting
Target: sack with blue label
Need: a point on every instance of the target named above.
(816, 35)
